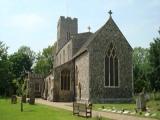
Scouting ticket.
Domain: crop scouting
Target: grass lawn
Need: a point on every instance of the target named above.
(10, 111)
(154, 107)
(117, 106)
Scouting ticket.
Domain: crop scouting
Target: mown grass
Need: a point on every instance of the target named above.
(118, 106)
(153, 105)
(10, 111)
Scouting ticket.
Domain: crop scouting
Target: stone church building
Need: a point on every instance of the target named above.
(94, 67)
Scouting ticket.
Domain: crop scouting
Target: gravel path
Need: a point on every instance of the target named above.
(68, 106)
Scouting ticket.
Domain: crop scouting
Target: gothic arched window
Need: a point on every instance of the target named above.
(111, 68)
(76, 75)
(60, 58)
(63, 56)
(65, 80)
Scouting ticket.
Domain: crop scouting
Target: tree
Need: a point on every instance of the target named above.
(3, 50)
(5, 74)
(141, 69)
(44, 62)
(155, 63)
(13, 68)
(20, 65)
(27, 51)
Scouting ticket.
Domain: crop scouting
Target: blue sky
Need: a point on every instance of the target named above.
(33, 22)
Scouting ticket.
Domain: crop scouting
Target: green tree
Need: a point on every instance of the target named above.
(5, 74)
(20, 65)
(141, 69)
(3, 50)
(44, 61)
(27, 51)
(155, 63)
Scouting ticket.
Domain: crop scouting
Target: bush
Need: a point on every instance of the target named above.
(155, 96)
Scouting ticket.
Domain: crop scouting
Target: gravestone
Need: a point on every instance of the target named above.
(24, 98)
(32, 98)
(32, 95)
(32, 101)
(141, 102)
(13, 99)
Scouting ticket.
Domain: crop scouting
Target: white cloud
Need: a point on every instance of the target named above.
(26, 21)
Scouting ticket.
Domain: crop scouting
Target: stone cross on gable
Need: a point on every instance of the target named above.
(89, 28)
(110, 13)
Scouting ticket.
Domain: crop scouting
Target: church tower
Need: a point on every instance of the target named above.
(65, 28)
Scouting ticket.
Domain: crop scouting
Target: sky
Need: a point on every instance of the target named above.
(33, 23)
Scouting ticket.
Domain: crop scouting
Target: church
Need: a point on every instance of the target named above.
(89, 67)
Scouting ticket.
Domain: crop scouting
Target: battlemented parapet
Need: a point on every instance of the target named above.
(65, 29)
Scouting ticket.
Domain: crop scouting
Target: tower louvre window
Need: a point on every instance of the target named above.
(111, 68)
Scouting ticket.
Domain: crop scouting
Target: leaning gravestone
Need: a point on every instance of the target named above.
(13, 99)
(141, 102)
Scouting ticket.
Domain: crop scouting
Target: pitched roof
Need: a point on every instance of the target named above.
(93, 36)
(82, 35)
(85, 45)
(79, 40)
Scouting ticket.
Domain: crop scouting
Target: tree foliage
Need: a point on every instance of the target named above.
(146, 67)
(44, 61)
(155, 64)
(141, 69)
(3, 50)
(27, 51)
(5, 74)
(21, 63)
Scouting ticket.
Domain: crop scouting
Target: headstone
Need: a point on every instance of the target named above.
(147, 114)
(114, 111)
(133, 113)
(154, 114)
(24, 99)
(126, 112)
(32, 101)
(14, 99)
(119, 111)
(104, 109)
(141, 102)
(32, 95)
(109, 110)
